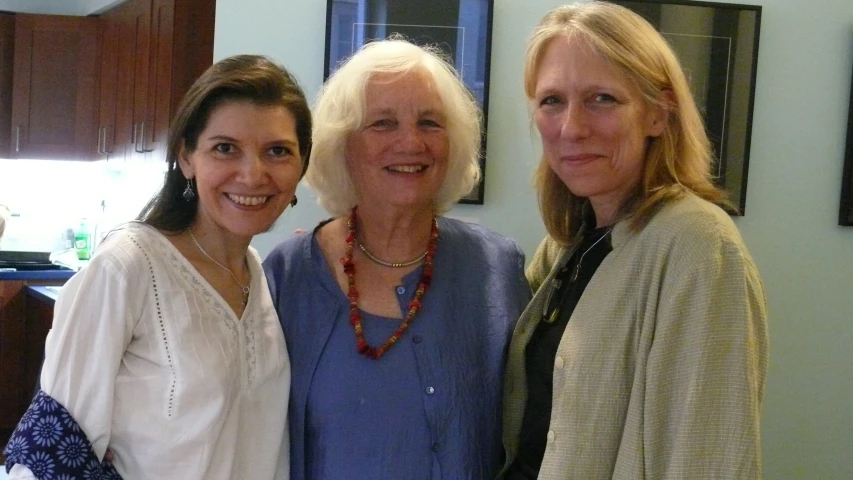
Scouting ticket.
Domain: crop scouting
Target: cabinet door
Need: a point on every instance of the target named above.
(53, 88)
(108, 87)
(7, 42)
(133, 19)
(12, 346)
(158, 114)
(181, 50)
(164, 45)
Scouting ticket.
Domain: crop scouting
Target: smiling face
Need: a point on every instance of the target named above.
(246, 166)
(594, 124)
(399, 156)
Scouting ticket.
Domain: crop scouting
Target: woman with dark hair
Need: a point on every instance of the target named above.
(166, 347)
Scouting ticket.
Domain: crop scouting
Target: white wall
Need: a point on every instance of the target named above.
(794, 181)
(58, 7)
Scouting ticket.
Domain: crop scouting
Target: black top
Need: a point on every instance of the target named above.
(541, 351)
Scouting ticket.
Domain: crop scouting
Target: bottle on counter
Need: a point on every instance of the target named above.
(68, 238)
(81, 241)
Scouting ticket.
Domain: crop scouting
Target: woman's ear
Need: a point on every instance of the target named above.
(659, 113)
(184, 163)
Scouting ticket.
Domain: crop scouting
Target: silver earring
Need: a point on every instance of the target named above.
(294, 201)
(189, 194)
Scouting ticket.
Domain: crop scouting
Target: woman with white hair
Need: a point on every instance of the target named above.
(397, 319)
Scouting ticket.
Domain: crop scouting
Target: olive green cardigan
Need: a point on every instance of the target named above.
(660, 371)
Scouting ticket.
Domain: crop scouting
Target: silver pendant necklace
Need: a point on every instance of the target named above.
(577, 268)
(243, 288)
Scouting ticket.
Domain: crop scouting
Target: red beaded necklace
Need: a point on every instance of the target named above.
(355, 317)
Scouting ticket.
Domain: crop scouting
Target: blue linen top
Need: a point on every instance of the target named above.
(430, 408)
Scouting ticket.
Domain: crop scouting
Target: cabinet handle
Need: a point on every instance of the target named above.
(135, 139)
(106, 152)
(142, 140)
(100, 152)
(17, 138)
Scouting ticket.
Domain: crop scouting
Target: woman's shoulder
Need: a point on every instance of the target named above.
(292, 245)
(476, 247)
(128, 246)
(465, 233)
(290, 256)
(689, 213)
(123, 260)
(695, 224)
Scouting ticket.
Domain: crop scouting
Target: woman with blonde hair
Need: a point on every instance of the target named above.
(644, 350)
(397, 317)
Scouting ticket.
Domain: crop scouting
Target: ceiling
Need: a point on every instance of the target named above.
(58, 7)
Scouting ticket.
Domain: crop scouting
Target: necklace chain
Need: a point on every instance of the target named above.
(577, 268)
(414, 305)
(385, 263)
(243, 288)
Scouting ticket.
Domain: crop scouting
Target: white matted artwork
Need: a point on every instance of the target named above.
(717, 45)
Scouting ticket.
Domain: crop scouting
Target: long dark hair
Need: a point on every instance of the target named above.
(252, 78)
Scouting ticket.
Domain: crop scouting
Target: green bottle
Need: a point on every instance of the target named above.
(81, 241)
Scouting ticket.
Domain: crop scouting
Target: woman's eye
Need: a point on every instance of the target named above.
(280, 151)
(428, 122)
(604, 98)
(382, 123)
(224, 147)
(549, 100)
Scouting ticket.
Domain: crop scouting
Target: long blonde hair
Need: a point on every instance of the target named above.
(677, 161)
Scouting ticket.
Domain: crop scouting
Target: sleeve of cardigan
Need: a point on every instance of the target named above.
(543, 260)
(707, 364)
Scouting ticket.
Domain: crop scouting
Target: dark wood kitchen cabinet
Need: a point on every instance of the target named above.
(7, 60)
(53, 88)
(24, 323)
(151, 52)
(108, 80)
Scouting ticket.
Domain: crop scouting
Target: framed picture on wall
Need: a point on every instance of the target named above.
(462, 29)
(845, 213)
(717, 44)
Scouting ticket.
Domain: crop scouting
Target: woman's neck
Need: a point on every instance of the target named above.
(227, 249)
(394, 234)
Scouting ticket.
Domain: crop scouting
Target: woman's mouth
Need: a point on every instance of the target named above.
(406, 168)
(248, 200)
(578, 158)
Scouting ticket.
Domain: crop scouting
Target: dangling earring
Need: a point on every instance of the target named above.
(189, 194)
(294, 201)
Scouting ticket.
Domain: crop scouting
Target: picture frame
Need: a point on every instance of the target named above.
(462, 29)
(845, 210)
(717, 45)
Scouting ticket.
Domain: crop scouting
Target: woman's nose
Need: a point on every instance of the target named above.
(252, 169)
(575, 122)
(410, 140)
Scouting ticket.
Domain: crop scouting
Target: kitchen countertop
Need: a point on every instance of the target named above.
(56, 274)
(46, 294)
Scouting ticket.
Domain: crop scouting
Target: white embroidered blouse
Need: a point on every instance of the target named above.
(152, 363)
